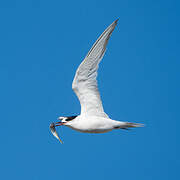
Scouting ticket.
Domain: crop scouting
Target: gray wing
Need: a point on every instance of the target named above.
(85, 83)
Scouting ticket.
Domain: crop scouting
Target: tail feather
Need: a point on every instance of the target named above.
(130, 125)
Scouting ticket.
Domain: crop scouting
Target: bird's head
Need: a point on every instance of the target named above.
(65, 120)
(62, 120)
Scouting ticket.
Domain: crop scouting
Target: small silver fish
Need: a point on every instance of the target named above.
(53, 131)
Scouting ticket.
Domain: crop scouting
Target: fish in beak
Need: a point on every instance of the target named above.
(53, 130)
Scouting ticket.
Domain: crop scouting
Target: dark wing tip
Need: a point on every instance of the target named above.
(115, 22)
(113, 25)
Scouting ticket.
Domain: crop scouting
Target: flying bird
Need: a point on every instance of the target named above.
(92, 119)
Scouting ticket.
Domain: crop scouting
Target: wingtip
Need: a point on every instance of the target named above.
(115, 23)
(116, 20)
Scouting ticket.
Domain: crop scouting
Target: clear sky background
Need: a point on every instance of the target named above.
(41, 45)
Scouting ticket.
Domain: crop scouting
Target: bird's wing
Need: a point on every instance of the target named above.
(85, 83)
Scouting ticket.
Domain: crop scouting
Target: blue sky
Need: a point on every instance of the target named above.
(41, 45)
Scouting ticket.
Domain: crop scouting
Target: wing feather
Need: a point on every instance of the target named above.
(85, 83)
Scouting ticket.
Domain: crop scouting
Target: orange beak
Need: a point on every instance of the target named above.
(59, 123)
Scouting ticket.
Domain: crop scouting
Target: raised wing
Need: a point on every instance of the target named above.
(85, 83)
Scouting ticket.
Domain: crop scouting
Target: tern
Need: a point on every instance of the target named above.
(92, 119)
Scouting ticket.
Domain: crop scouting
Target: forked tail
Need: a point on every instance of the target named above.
(128, 125)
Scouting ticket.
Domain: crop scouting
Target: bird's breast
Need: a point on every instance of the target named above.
(91, 125)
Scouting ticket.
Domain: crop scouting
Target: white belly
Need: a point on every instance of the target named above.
(91, 124)
(92, 130)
